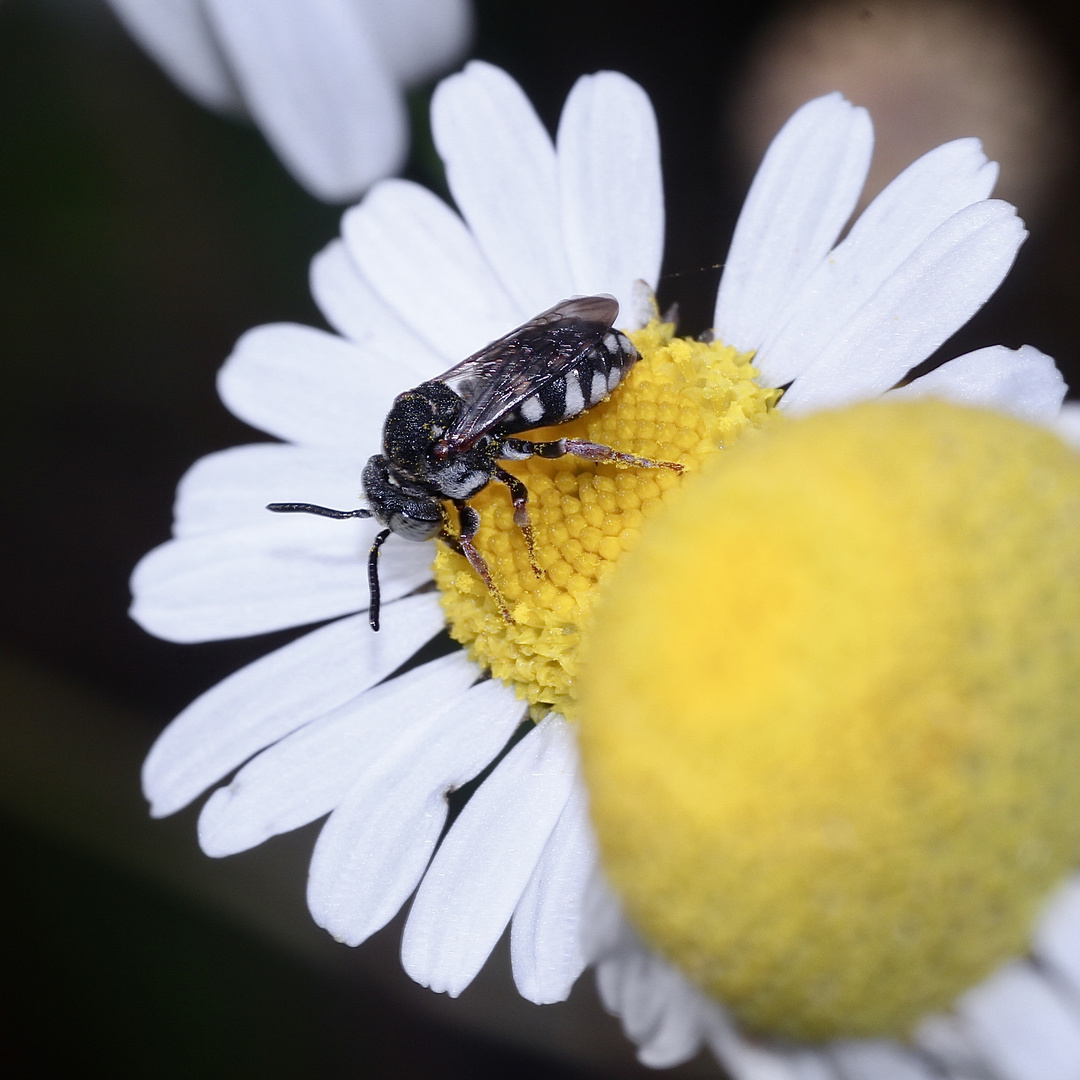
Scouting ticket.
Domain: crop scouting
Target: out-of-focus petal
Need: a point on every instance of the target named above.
(611, 188)
(947, 1042)
(930, 295)
(1023, 1026)
(314, 81)
(376, 845)
(178, 35)
(1023, 382)
(803, 194)
(746, 1060)
(878, 1059)
(483, 866)
(658, 1009)
(419, 39)
(500, 165)
(263, 702)
(1067, 423)
(1057, 937)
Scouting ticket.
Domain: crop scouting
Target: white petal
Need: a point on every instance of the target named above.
(748, 1061)
(930, 296)
(316, 85)
(1067, 423)
(676, 1032)
(292, 571)
(604, 929)
(310, 387)
(351, 307)
(177, 34)
(923, 196)
(480, 872)
(230, 489)
(1022, 1026)
(424, 263)
(545, 935)
(307, 773)
(1023, 382)
(376, 845)
(279, 693)
(659, 1010)
(500, 165)
(1057, 938)
(810, 1065)
(947, 1041)
(663, 1012)
(804, 191)
(873, 1059)
(420, 38)
(612, 190)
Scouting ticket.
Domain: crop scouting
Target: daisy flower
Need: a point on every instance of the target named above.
(330, 725)
(324, 81)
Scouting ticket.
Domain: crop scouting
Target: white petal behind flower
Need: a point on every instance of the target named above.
(323, 79)
(1023, 382)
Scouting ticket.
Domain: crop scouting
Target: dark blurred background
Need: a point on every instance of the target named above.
(139, 237)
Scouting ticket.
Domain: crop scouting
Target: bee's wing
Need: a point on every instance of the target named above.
(501, 375)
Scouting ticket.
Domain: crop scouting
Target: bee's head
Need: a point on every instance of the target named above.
(405, 510)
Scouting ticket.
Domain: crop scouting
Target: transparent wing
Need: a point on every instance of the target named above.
(501, 375)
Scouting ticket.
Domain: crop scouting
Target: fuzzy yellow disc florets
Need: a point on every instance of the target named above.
(682, 401)
(830, 715)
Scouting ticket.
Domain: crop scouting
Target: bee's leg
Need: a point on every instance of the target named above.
(373, 578)
(582, 448)
(519, 494)
(463, 545)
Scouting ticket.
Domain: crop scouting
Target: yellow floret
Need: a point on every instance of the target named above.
(830, 714)
(683, 401)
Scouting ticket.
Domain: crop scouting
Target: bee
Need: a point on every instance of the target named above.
(444, 439)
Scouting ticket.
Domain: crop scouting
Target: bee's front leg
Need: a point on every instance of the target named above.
(463, 545)
(373, 578)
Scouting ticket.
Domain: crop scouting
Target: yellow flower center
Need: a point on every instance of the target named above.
(830, 714)
(682, 402)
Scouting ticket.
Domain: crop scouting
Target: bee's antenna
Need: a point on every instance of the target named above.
(322, 511)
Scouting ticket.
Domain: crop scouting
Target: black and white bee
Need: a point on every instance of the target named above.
(443, 440)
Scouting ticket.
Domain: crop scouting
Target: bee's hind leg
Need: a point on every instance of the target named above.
(591, 451)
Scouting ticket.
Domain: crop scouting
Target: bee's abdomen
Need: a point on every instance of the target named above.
(593, 376)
